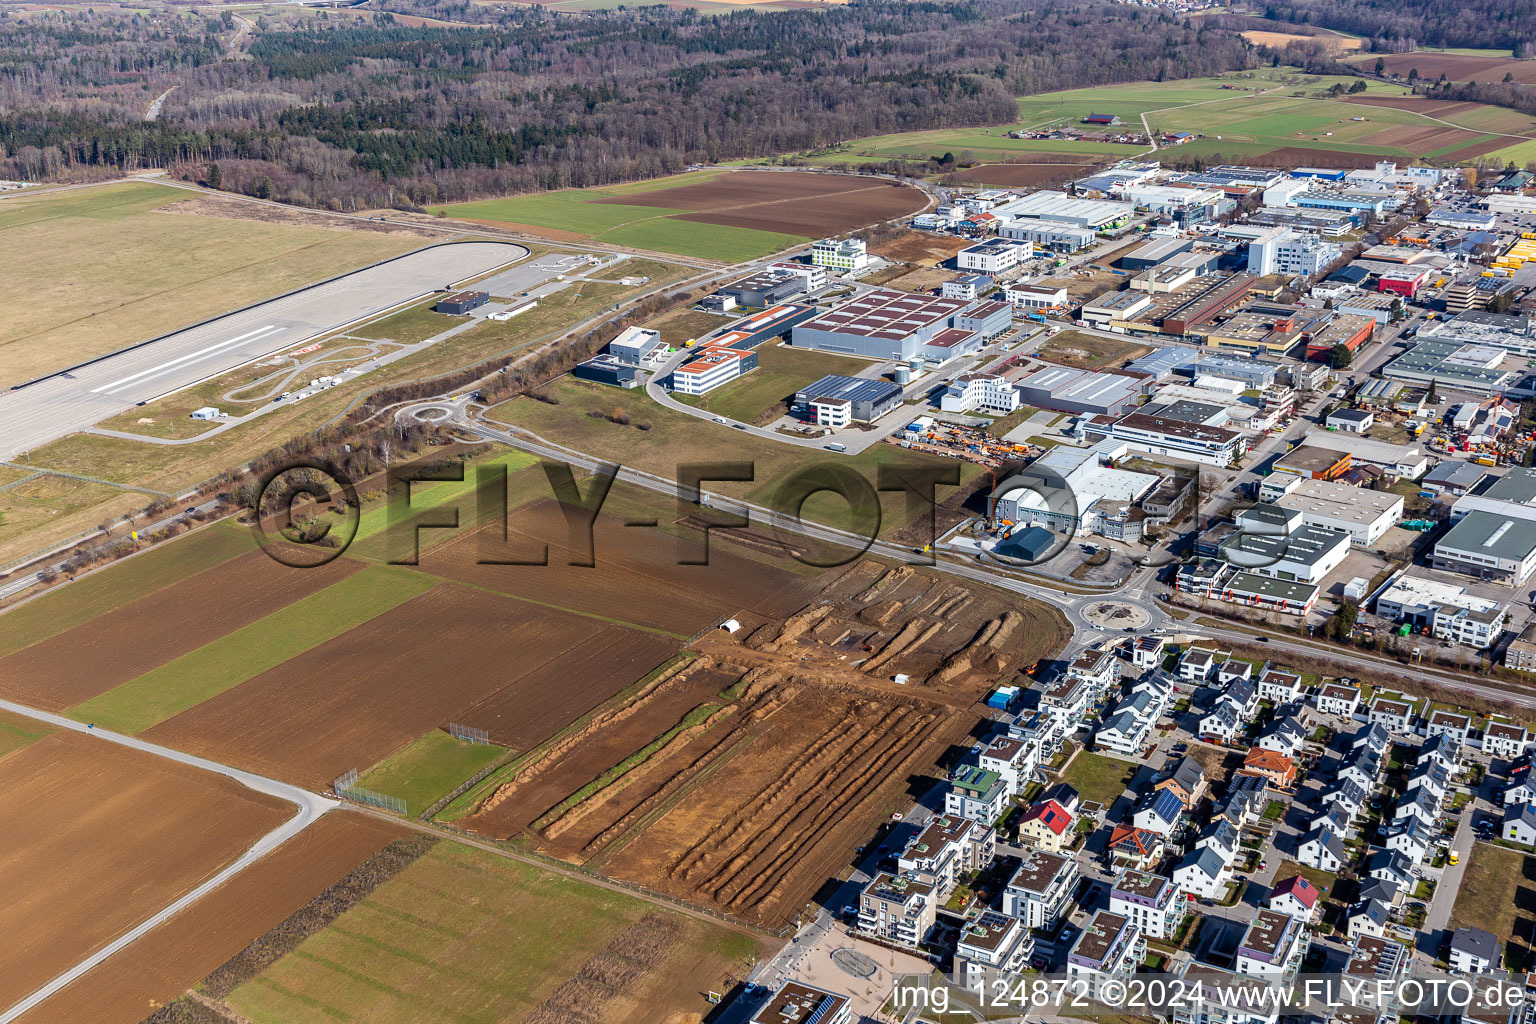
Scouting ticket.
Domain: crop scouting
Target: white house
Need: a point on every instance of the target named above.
(1197, 665)
(1203, 873)
(991, 947)
(1338, 699)
(1148, 652)
(985, 391)
(1519, 824)
(1505, 739)
(976, 794)
(1394, 715)
(1320, 849)
(1222, 722)
(1040, 891)
(1475, 951)
(1152, 902)
(1280, 687)
(1014, 758)
(1295, 897)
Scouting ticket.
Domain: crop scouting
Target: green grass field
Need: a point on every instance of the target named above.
(16, 732)
(781, 371)
(640, 227)
(463, 936)
(676, 437)
(89, 271)
(247, 652)
(83, 600)
(1097, 778)
(433, 495)
(428, 769)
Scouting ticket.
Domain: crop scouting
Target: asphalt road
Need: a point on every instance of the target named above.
(311, 806)
(67, 402)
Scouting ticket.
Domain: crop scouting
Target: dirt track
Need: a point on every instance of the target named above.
(95, 837)
(176, 956)
(113, 648)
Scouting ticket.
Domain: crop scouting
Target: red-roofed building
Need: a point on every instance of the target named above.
(1135, 847)
(1295, 897)
(1047, 825)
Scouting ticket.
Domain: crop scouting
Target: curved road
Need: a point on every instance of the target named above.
(311, 806)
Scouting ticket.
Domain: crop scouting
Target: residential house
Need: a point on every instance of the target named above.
(1379, 889)
(1279, 686)
(1338, 699)
(1224, 837)
(899, 909)
(1245, 695)
(1444, 748)
(1198, 665)
(1348, 796)
(1363, 767)
(1040, 890)
(991, 948)
(1320, 849)
(1127, 728)
(1371, 737)
(949, 849)
(1099, 669)
(1475, 951)
(1431, 776)
(1232, 671)
(977, 794)
(1013, 758)
(1111, 947)
(1448, 722)
(1295, 897)
(1334, 820)
(1505, 739)
(1162, 812)
(1272, 947)
(1410, 837)
(1284, 734)
(1519, 824)
(1276, 769)
(1222, 724)
(1135, 847)
(1396, 716)
(1063, 794)
(1390, 866)
(1419, 803)
(1151, 902)
(1203, 873)
(1148, 652)
(1378, 959)
(1185, 778)
(1215, 995)
(1368, 918)
(1246, 800)
(1046, 826)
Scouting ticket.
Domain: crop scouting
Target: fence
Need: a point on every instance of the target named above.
(347, 788)
(468, 733)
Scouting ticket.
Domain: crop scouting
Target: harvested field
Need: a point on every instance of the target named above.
(637, 579)
(1417, 104)
(796, 203)
(464, 935)
(120, 645)
(509, 666)
(1299, 156)
(1420, 137)
(1475, 150)
(174, 957)
(1333, 43)
(1458, 67)
(919, 247)
(1027, 175)
(95, 837)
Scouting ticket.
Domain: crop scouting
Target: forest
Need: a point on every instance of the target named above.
(1398, 26)
(342, 111)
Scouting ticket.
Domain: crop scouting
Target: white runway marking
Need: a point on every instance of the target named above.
(166, 367)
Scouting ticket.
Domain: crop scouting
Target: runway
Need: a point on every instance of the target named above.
(56, 406)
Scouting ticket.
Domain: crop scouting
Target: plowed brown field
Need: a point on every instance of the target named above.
(95, 837)
(92, 658)
(177, 955)
(1023, 175)
(353, 700)
(797, 203)
(1300, 156)
(1458, 67)
(1419, 104)
(636, 578)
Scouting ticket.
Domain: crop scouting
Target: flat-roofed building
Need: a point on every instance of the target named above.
(1158, 435)
(1094, 214)
(992, 948)
(1307, 554)
(866, 400)
(1033, 297)
(1364, 515)
(1152, 902)
(1116, 306)
(900, 909)
(948, 849)
(995, 255)
(1451, 612)
(1040, 891)
(1068, 389)
(715, 365)
(992, 392)
(795, 1002)
(1312, 463)
(1110, 948)
(1272, 947)
(1154, 253)
(887, 324)
(1488, 546)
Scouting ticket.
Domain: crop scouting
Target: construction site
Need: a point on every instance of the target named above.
(742, 778)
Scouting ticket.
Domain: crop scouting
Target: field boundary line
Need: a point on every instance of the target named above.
(44, 471)
(311, 807)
